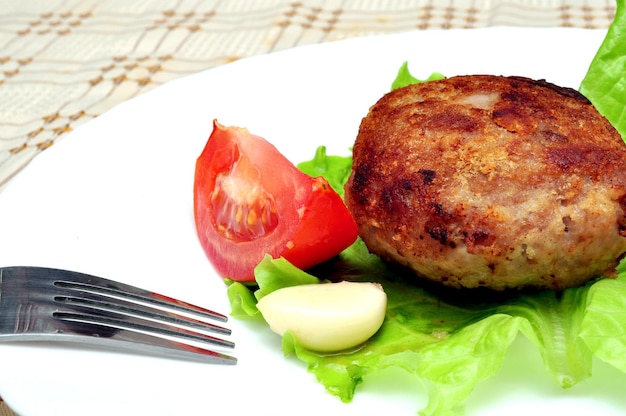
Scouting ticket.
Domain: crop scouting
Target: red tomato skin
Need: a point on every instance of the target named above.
(326, 229)
(313, 222)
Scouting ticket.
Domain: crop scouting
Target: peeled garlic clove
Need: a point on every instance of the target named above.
(326, 317)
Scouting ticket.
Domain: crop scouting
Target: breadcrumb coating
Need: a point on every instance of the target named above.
(491, 181)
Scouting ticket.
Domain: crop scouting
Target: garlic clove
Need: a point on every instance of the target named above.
(326, 317)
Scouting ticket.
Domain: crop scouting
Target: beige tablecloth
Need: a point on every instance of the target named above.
(62, 62)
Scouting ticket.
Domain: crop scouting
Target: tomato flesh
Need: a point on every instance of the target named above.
(242, 208)
(249, 201)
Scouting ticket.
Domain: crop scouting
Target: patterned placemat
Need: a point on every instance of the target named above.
(5, 410)
(62, 62)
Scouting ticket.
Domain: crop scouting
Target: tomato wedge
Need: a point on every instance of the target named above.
(250, 200)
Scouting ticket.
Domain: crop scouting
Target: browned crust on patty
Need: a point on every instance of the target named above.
(501, 182)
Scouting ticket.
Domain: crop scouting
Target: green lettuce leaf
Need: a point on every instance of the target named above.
(335, 169)
(404, 77)
(453, 367)
(603, 328)
(605, 84)
(552, 322)
(452, 344)
(270, 275)
(471, 342)
(242, 301)
(449, 343)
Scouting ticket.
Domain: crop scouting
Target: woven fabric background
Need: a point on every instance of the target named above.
(64, 62)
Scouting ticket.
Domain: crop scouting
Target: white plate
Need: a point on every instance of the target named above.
(114, 198)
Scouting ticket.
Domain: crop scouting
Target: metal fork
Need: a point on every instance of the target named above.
(43, 304)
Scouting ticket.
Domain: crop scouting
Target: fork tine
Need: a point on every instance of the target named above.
(112, 288)
(139, 325)
(139, 342)
(62, 305)
(121, 306)
(115, 316)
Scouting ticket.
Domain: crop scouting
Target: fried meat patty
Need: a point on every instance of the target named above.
(491, 181)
